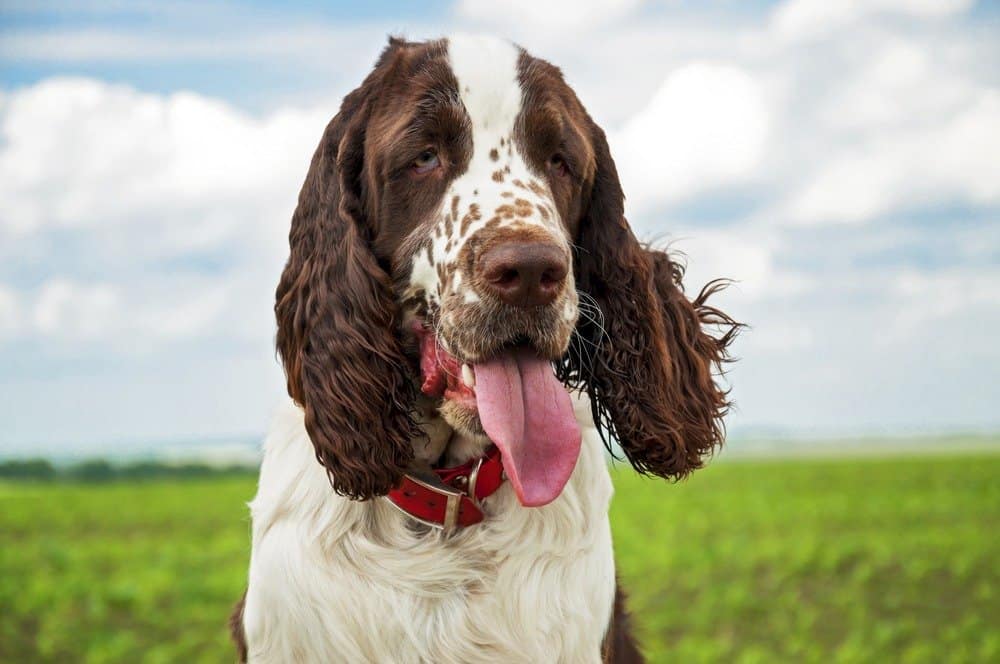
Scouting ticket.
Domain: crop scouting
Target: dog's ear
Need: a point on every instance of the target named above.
(647, 361)
(337, 316)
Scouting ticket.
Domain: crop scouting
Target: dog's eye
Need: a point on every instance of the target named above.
(557, 163)
(426, 162)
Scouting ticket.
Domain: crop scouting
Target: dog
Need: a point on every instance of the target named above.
(467, 322)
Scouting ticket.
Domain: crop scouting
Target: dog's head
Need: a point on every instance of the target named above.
(460, 230)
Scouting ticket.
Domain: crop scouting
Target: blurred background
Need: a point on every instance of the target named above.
(839, 159)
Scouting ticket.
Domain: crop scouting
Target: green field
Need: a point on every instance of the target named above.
(866, 560)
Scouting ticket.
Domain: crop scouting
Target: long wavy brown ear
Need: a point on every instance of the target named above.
(337, 316)
(647, 362)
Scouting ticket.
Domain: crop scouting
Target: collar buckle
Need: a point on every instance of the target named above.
(446, 499)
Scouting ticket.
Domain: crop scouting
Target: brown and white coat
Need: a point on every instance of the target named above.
(463, 201)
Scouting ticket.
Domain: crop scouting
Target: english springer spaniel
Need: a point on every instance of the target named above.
(465, 321)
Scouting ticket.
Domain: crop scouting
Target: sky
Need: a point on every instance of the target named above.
(839, 160)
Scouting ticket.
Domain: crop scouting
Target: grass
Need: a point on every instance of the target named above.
(866, 560)
(877, 560)
(121, 572)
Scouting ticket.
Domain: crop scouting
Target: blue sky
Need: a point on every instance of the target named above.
(839, 159)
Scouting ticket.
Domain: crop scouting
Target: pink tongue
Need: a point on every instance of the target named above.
(527, 412)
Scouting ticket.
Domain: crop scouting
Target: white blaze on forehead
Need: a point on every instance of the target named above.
(486, 71)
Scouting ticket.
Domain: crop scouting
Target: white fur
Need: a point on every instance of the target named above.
(486, 69)
(335, 580)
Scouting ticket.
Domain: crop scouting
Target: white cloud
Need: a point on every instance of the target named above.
(165, 177)
(958, 160)
(10, 313)
(898, 119)
(923, 300)
(82, 153)
(802, 19)
(140, 314)
(105, 45)
(778, 336)
(705, 127)
(144, 179)
(188, 317)
(554, 14)
(903, 83)
(75, 311)
(160, 219)
(745, 255)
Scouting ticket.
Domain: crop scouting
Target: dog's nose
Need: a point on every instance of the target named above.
(524, 274)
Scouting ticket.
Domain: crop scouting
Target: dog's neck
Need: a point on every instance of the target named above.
(444, 445)
(463, 447)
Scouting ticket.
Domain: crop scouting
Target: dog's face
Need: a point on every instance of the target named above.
(476, 182)
(458, 208)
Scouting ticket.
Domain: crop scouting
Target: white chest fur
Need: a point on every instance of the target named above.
(333, 580)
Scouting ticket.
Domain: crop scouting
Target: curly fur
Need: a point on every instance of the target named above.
(651, 378)
(333, 578)
(337, 318)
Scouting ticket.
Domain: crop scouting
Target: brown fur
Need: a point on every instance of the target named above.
(619, 645)
(337, 317)
(236, 629)
(643, 351)
(651, 380)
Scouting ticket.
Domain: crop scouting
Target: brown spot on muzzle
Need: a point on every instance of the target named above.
(520, 265)
(520, 208)
(472, 215)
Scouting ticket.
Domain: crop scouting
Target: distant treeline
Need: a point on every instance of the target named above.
(102, 470)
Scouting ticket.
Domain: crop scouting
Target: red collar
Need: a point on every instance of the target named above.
(448, 497)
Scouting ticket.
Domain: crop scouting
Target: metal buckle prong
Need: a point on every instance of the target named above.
(473, 478)
(451, 512)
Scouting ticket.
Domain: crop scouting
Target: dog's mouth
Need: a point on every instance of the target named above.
(518, 402)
